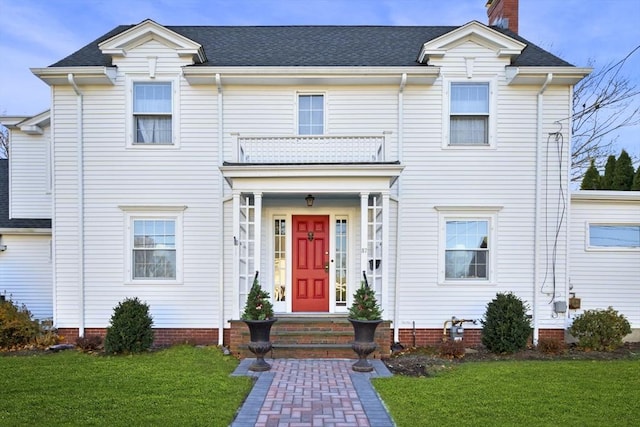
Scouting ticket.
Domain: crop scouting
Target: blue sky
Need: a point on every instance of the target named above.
(37, 33)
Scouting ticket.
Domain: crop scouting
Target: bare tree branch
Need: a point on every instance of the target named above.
(603, 102)
(4, 143)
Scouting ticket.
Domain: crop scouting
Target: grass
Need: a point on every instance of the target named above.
(584, 393)
(178, 386)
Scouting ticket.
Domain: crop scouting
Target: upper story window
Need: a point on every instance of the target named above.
(152, 112)
(469, 114)
(615, 236)
(310, 114)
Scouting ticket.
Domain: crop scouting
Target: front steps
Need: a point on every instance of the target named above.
(310, 337)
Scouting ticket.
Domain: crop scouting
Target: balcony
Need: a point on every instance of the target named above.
(310, 149)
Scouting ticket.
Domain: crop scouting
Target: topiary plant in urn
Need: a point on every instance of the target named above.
(365, 315)
(258, 315)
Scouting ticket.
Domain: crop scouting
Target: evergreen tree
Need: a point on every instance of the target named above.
(591, 180)
(609, 170)
(636, 181)
(623, 175)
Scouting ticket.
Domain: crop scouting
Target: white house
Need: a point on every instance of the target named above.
(432, 160)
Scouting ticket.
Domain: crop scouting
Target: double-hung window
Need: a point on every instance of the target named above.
(310, 114)
(152, 112)
(467, 249)
(154, 249)
(469, 114)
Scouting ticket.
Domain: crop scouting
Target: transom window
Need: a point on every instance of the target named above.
(152, 111)
(614, 235)
(154, 249)
(467, 249)
(310, 114)
(469, 114)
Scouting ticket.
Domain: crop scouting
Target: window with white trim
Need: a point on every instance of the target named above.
(614, 236)
(152, 113)
(154, 244)
(467, 245)
(469, 113)
(310, 114)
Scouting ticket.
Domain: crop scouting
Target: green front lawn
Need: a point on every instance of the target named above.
(518, 393)
(178, 386)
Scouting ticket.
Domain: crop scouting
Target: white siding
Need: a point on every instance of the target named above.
(29, 175)
(609, 277)
(25, 272)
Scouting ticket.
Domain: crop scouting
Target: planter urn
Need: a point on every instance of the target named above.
(364, 342)
(260, 343)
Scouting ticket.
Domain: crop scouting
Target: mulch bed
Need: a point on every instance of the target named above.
(421, 362)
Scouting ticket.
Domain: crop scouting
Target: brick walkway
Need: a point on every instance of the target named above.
(312, 392)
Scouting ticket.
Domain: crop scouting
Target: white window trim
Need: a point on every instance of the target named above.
(587, 241)
(152, 212)
(483, 213)
(175, 111)
(324, 112)
(446, 113)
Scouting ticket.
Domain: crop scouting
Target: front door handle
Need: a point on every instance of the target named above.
(326, 267)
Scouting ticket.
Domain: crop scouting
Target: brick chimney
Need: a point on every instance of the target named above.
(503, 13)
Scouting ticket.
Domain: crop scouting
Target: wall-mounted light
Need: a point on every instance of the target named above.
(309, 200)
(3, 248)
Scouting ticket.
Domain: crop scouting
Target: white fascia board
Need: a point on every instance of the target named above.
(422, 75)
(605, 195)
(95, 75)
(28, 124)
(531, 75)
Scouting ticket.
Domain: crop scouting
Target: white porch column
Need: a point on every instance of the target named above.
(257, 238)
(364, 220)
(235, 275)
(386, 262)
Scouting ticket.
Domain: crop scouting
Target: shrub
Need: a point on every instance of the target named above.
(17, 328)
(601, 330)
(506, 326)
(550, 346)
(365, 306)
(131, 328)
(258, 306)
(89, 342)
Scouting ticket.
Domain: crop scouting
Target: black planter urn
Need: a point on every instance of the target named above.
(364, 343)
(260, 343)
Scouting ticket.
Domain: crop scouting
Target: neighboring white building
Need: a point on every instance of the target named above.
(431, 159)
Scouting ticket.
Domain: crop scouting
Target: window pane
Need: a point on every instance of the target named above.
(469, 130)
(621, 236)
(152, 97)
(154, 254)
(153, 129)
(280, 255)
(467, 249)
(469, 98)
(311, 114)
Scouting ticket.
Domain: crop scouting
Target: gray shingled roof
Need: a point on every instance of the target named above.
(5, 222)
(309, 46)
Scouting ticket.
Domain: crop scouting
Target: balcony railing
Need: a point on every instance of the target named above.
(310, 149)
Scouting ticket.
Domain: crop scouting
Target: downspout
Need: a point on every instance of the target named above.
(80, 161)
(396, 303)
(537, 210)
(221, 216)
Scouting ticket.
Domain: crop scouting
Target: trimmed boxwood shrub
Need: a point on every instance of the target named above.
(506, 326)
(600, 330)
(131, 328)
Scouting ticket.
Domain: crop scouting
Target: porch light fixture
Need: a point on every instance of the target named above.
(309, 200)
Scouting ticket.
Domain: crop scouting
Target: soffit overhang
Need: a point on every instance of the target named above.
(310, 76)
(59, 76)
(501, 44)
(335, 178)
(31, 125)
(537, 76)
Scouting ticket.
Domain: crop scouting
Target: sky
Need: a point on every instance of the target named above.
(37, 33)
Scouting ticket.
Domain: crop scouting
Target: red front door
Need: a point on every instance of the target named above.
(310, 263)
